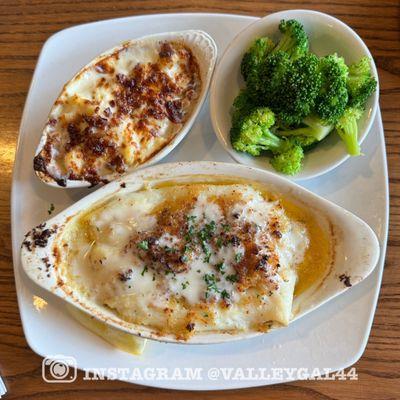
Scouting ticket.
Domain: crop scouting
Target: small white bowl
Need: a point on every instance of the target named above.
(327, 35)
(356, 247)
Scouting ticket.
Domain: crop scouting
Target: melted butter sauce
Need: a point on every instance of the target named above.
(318, 256)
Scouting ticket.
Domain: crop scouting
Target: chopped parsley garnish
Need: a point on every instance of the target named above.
(185, 285)
(206, 250)
(207, 231)
(211, 227)
(219, 242)
(51, 208)
(143, 245)
(191, 218)
(232, 278)
(187, 248)
(225, 294)
(221, 267)
(211, 282)
(169, 249)
(145, 269)
(189, 234)
(226, 227)
(238, 257)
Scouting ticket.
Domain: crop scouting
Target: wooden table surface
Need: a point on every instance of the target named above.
(24, 27)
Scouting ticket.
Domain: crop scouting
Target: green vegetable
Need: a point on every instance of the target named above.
(238, 257)
(299, 90)
(294, 41)
(211, 282)
(242, 107)
(348, 130)
(332, 98)
(253, 134)
(207, 251)
(185, 285)
(253, 59)
(143, 245)
(226, 227)
(225, 294)
(289, 87)
(221, 267)
(294, 99)
(232, 278)
(312, 127)
(360, 83)
(289, 159)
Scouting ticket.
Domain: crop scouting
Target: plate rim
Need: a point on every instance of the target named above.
(165, 384)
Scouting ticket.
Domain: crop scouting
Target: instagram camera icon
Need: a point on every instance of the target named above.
(59, 369)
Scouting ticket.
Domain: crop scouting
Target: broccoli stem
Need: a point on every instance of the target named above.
(269, 140)
(348, 132)
(284, 45)
(314, 128)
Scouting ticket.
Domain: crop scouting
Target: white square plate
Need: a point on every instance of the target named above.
(333, 337)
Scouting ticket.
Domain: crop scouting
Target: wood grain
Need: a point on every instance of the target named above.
(25, 25)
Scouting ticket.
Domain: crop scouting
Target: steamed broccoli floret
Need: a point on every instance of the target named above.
(272, 75)
(332, 99)
(255, 56)
(313, 127)
(347, 129)
(289, 88)
(242, 107)
(288, 159)
(293, 99)
(304, 141)
(294, 40)
(299, 90)
(254, 135)
(360, 83)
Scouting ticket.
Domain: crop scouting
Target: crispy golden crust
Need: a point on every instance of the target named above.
(92, 141)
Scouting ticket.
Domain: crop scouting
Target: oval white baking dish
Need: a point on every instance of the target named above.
(356, 247)
(203, 48)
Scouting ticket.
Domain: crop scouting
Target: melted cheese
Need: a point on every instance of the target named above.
(119, 111)
(204, 258)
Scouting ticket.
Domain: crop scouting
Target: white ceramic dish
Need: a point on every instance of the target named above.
(356, 247)
(327, 35)
(205, 51)
(315, 341)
